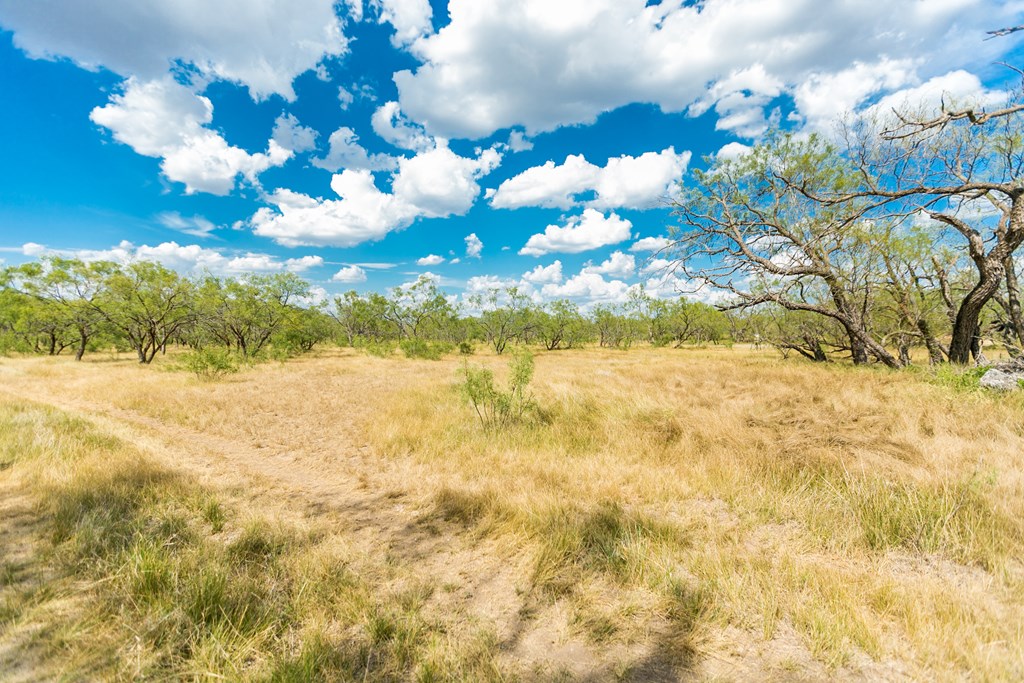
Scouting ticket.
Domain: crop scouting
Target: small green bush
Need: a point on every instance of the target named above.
(381, 349)
(498, 409)
(466, 348)
(419, 348)
(210, 363)
(957, 378)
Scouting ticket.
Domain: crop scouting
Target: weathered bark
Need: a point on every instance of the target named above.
(83, 339)
(818, 352)
(858, 350)
(811, 350)
(904, 352)
(1013, 306)
(936, 354)
(964, 341)
(991, 268)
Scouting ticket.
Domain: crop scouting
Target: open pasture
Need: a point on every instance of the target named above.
(657, 514)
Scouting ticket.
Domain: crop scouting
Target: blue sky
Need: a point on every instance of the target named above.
(487, 142)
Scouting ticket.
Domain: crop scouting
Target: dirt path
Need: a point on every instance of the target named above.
(340, 487)
(19, 579)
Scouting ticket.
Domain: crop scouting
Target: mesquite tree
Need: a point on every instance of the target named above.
(148, 304)
(962, 170)
(750, 228)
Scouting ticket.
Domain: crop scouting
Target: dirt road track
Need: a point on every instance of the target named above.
(343, 487)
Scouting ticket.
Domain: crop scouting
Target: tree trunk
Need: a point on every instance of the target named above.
(935, 353)
(991, 270)
(819, 355)
(83, 338)
(858, 350)
(965, 328)
(977, 352)
(862, 347)
(904, 350)
(1013, 307)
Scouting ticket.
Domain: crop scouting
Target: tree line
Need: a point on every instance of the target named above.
(57, 305)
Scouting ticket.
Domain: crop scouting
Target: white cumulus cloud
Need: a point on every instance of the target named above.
(473, 245)
(433, 184)
(539, 65)
(542, 275)
(261, 44)
(430, 260)
(617, 265)
(650, 244)
(303, 263)
(441, 183)
(363, 213)
(580, 233)
(732, 150)
(291, 135)
(346, 152)
(591, 287)
(658, 266)
(350, 274)
(166, 120)
(410, 19)
(623, 182)
(954, 87)
(392, 126)
(185, 258)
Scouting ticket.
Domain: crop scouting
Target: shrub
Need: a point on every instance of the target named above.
(382, 349)
(273, 353)
(466, 348)
(957, 378)
(419, 348)
(498, 409)
(210, 363)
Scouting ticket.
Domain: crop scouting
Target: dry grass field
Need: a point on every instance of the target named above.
(704, 514)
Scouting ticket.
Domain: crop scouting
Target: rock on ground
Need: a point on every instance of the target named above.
(1004, 377)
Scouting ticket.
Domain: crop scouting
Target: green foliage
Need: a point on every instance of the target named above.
(417, 311)
(466, 348)
(426, 350)
(560, 325)
(211, 363)
(304, 328)
(361, 317)
(148, 304)
(955, 377)
(497, 409)
(249, 313)
(505, 314)
(616, 329)
(383, 348)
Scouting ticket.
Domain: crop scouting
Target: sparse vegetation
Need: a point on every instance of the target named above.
(169, 584)
(210, 363)
(654, 509)
(497, 409)
(426, 350)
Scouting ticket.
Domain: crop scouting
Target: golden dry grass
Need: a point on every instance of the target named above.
(666, 514)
